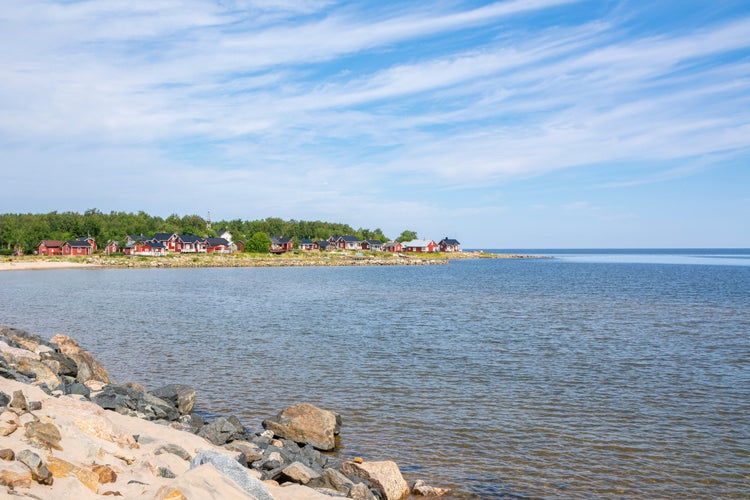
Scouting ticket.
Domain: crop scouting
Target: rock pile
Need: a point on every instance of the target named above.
(69, 431)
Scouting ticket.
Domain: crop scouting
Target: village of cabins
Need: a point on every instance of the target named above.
(164, 243)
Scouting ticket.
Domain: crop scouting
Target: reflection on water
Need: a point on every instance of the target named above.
(552, 378)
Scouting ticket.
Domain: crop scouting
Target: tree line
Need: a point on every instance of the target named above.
(24, 231)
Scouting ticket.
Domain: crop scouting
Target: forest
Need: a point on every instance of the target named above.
(23, 232)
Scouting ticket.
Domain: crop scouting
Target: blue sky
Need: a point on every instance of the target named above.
(534, 123)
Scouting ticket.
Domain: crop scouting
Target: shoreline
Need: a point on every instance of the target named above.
(71, 432)
(36, 263)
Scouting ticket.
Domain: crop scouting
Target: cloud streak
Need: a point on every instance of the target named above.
(395, 102)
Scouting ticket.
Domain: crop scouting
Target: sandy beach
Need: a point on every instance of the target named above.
(37, 265)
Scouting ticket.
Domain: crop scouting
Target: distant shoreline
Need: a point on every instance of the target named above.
(35, 263)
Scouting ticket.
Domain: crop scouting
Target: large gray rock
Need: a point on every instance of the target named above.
(308, 424)
(299, 473)
(39, 471)
(233, 470)
(222, 430)
(384, 476)
(126, 401)
(63, 365)
(334, 480)
(88, 367)
(181, 396)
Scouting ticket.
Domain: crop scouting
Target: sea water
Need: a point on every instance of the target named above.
(590, 374)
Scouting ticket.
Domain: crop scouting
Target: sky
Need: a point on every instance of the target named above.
(510, 124)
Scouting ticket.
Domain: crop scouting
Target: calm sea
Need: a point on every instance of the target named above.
(619, 374)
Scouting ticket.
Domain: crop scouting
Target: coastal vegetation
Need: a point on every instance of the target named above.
(23, 232)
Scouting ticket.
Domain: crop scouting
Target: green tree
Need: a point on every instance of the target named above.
(407, 236)
(258, 243)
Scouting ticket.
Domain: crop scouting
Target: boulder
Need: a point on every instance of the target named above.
(39, 471)
(126, 401)
(221, 431)
(385, 477)
(233, 470)
(299, 473)
(7, 454)
(251, 451)
(333, 480)
(42, 372)
(64, 365)
(4, 399)
(43, 434)
(181, 396)
(105, 472)
(15, 479)
(420, 488)
(308, 424)
(204, 481)
(18, 401)
(8, 423)
(12, 354)
(88, 367)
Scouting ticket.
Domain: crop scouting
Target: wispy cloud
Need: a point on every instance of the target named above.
(392, 101)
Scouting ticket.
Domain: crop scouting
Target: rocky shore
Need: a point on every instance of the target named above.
(293, 259)
(68, 431)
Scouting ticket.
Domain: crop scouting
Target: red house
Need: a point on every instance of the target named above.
(349, 243)
(280, 245)
(393, 246)
(77, 247)
(449, 245)
(306, 244)
(420, 246)
(217, 245)
(148, 248)
(49, 247)
(188, 243)
(112, 247)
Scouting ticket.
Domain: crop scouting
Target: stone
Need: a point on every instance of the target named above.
(13, 479)
(233, 470)
(7, 454)
(219, 431)
(360, 491)
(105, 472)
(420, 488)
(172, 494)
(135, 386)
(251, 451)
(88, 478)
(299, 473)
(63, 365)
(4, 399)
(78, 388)
(59, 467)
(307, 424)
(8, 423)
(165, 472)
(154, 407)
(88, 367)
(18, 401)
(181, 396)
(42, 373)
(39, 471)
(43, 434)
(332, 479)
(385, 477)
(14, 353)
(115, 397)
(174, 449)
(35, 405)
